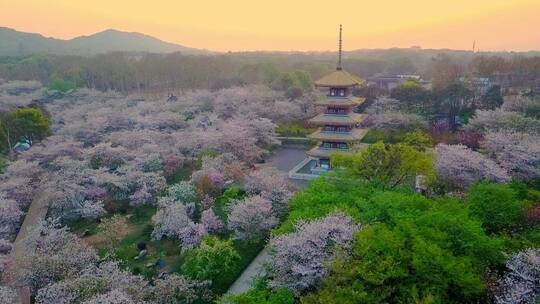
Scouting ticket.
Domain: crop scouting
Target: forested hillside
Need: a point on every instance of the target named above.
(15, 43)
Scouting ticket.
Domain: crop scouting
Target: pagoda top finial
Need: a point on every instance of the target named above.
(340, 47)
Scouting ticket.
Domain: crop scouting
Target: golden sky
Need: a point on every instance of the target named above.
(298, 25)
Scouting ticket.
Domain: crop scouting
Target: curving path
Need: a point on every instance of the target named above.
(283, 159)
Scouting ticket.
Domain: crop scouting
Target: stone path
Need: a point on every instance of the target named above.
(283, 159)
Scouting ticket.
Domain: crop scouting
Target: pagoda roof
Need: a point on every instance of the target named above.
(339, 78)
(349, 101)
(338, 119)
(352, 136)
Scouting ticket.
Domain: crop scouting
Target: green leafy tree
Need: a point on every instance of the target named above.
(418, 140)
(454, 101)
(302, 79)
(414, 251)
(493, 98)
(22, 123)
(214, 260)
(260, 293)
(386, 166)
(294, 92)
(62, 85)
(293, 83)
(498, 207)
(413, 97)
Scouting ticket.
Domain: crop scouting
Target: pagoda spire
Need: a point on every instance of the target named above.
(340, 47)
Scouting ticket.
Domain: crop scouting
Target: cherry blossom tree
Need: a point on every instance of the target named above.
(251, 218)
(8, 295)
(216, 172)
(10, 217)
(174, 288)
(382, 105)
(173, 222)
(519, 153)
(112, 297)
(391, 121)
(113, 229)
(5, 246)
(105, 155)
(298, 258)
(470, 139)
(51, 255)
(211, 222)
(460, 166)
(528, 106)
(182, 192)
(95, 281)
(521, 284)
(497, 120)
(272, 185)
(20, 181)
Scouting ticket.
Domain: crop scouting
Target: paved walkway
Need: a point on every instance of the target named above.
(36, 213)
(284, 159)
(254, 270)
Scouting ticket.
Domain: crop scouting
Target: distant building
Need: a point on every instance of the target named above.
(389, 82)
(479, 85)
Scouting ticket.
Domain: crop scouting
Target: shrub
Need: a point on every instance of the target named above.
(213, 260)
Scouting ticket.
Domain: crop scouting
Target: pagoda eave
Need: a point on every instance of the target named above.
(339, 79)
(340, 102)
(354, 136)
(338, 120)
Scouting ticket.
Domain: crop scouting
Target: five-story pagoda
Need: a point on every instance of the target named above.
(338, 123)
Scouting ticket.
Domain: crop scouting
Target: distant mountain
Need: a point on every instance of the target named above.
(14, 43)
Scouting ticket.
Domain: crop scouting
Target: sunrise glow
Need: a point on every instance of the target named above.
(238, 25)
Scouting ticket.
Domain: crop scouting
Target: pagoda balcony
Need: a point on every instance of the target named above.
(348, 119)
(350, 136)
